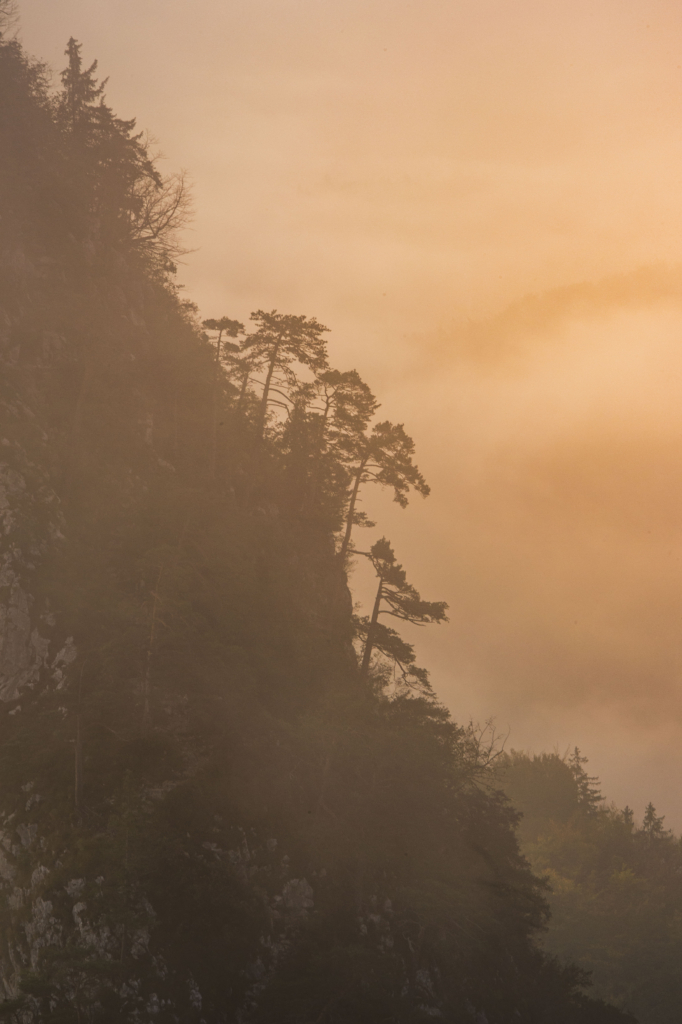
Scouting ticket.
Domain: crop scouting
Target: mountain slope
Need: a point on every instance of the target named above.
(208, 812)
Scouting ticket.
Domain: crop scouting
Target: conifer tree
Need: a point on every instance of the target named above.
(588, 794)
(129, 201)
(232, 329)
(652, 825)
(399, 599)
(343, 406)
(384, 456)
(242, 366)
(98, 142)
(346, 404)
(81, 95)
(280, 340)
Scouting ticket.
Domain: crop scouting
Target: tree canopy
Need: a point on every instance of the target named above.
(399, 599)
(615, 889)
(127, 201)
(280, 340)
(383, 456)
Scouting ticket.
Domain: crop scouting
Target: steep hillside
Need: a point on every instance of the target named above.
(210, 810)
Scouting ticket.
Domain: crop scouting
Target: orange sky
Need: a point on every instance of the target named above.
(483, 200)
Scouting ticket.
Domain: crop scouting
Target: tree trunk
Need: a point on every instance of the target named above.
(216, 383)
(311, 498)
(260, 426)
(242, 392)
(367, 653)
(351, 509)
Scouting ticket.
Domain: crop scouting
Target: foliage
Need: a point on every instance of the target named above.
(616, 887)
(127, 200)
(383, 456)
(401, 601)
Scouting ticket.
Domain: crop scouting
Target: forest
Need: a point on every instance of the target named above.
(227, 795)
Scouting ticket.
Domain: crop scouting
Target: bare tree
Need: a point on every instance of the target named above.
(9, 15)
(163, 208)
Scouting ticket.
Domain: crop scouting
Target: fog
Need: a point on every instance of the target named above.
(483, 202)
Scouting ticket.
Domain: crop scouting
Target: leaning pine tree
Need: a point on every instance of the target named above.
(400, 600)
(385, 457)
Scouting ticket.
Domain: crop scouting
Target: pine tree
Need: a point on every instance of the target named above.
(81, 95)
(385, 457)
(232, 329)
(342, 406)
(109, 165)
(652, 825)
(399, 599)
(589, 795)
(280, 340)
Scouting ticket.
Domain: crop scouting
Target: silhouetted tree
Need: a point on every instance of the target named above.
(129, 201)
(342, 406)
(77, 107)
(617, 891)
(385, 456)
(588, 793)
(232, 329)
(652, 825)
(399, 600)
(162, 207)
(280, 340)
(8, 15)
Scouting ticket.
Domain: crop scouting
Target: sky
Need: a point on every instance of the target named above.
(483, 201)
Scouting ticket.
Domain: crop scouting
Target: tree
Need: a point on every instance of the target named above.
(385, 456)
(402, 601)
(280, 340)
(589, 795)
(77, 107)
(242, 366)
(346, 404)
(162, 206)
(652, 825)
(343, 406)
(129, 200)
(616, 898)
(232, 329)
(8, 16)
